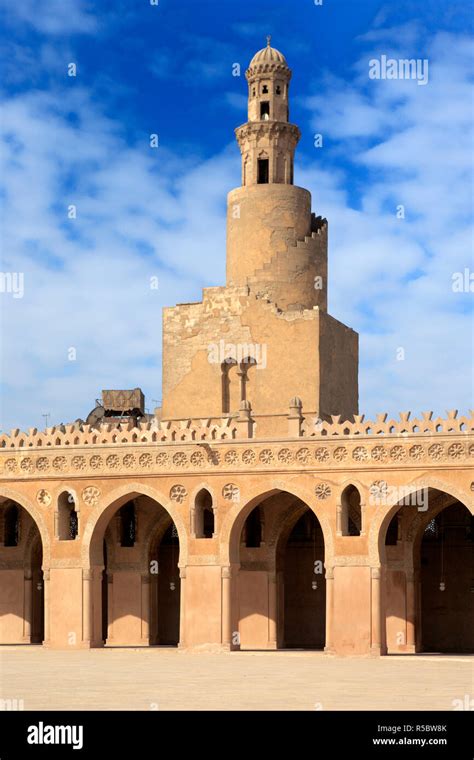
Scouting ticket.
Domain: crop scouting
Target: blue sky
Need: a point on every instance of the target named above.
(145, 213)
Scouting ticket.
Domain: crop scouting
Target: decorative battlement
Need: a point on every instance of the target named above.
(241, 426)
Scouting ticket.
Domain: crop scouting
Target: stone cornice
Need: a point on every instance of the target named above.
(319, 455)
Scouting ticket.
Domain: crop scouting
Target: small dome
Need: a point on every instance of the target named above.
(267, 55)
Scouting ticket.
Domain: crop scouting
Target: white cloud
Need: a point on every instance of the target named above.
(391, 278)
(87, 281)
(143, 212)
(52, 16)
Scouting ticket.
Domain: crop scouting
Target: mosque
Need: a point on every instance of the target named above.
(257, 508)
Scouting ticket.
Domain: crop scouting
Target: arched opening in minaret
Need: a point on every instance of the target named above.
(263, 171)
(265, 110)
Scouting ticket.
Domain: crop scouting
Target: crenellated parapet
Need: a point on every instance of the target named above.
(303, 442)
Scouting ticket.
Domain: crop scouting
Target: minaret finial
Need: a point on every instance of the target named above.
(269, 39)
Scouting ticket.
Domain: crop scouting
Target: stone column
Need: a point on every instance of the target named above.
(272, 610)
(87, 576)
(226, 580)
(362, 518)
(46, 576)
(244, 420)
(193, 522)
(28, 605)
(154, 609)
(145, 627)
(376, 614)
(418, 601)
(329, 647)
(182, 607)
(410, 610)
(295, 418)
(110, 607)
(339, 519)
(281, 608)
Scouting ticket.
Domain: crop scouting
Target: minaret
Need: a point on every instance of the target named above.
(275, 245)
(274, 305)
(268, 141)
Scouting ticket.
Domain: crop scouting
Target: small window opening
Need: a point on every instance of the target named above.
(262, 178)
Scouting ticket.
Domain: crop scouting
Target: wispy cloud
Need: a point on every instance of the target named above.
(88, 280)
(52, 16)
(392, 275)
(144, 213)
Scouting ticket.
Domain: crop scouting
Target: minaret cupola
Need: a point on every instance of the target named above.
(268, 141)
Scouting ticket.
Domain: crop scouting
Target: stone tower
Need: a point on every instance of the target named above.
(274, 243)
(274, 304)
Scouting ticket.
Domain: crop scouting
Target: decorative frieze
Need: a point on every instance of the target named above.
(238, 456)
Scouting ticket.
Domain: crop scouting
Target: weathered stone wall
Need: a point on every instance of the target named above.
(339, 357)
(263, 220)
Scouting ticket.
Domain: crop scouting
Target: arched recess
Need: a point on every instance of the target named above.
(202, 514)
(23, 554)
(124, 574)
(162, 549)
(276, 576)
(247, 369)
(230, 390)
(302, 582)
(426, 549)
(66, 517)
(350, 518)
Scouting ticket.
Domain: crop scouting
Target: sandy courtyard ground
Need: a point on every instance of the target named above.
(167, 679)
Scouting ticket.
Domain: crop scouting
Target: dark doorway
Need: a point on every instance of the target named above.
(37, 591)
(447, 582)
(304, 589)
(105, 597)
(168, 588)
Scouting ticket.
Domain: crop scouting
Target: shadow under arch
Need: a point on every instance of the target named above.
(35, 514)
(416, 616)
(121, 571)
(235, 519)
(278, 601)
(100, 518)
(385, 512)
(25, 554)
